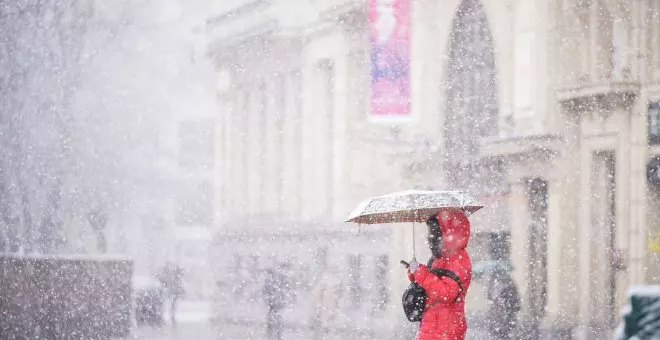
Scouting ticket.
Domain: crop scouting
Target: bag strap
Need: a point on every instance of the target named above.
(450, 274)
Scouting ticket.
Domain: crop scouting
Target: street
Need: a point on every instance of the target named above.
(193, 322)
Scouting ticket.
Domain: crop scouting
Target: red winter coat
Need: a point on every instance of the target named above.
(443, 318)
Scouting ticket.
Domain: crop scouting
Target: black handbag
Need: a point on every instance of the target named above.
(414, 297)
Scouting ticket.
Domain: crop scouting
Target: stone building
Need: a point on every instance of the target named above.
(546, 110)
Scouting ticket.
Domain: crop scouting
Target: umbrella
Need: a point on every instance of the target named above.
(411, 206)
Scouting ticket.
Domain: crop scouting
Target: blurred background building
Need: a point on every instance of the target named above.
(164, 68)
(546, 110)
(107, 141)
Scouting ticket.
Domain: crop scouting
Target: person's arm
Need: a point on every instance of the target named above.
(437, 288)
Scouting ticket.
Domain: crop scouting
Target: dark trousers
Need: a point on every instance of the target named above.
(172, 302)
(274, 324)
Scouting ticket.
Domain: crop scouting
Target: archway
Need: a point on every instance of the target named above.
(471, 93)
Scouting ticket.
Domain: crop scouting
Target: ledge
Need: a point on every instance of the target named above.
(237, 12)
(255, 20)
(521, 146)
(348, 14)
(338, 11)
(228, 49)
(606, 94)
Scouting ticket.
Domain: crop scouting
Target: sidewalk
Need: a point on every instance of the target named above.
(192, 323)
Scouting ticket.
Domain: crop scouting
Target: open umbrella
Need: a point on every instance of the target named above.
(411, 206)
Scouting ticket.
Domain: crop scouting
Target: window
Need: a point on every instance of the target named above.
(196, 143)
(618, 48)
(603, 41)
(471, 99)
(609, 159)
(654, 122)
(355, 276)
(472, 91)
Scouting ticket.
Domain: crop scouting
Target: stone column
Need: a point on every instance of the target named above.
(562, 253)
(602, 231)
(344, 109)
(638, 191)
(291, 145)
(623, 210)
(584, 247)
(223, 155)
(254, 131)
(635, 241)
(238, 187)
(312, 112)
(269, 170)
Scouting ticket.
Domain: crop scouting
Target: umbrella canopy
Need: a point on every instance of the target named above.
(411, 206)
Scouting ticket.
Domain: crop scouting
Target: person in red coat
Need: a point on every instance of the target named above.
(444, 312)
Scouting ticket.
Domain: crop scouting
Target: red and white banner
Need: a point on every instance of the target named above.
(389, 33)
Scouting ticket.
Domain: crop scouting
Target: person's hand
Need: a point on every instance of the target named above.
(412, 268)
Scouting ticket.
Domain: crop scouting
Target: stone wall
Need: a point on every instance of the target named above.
(58, 297)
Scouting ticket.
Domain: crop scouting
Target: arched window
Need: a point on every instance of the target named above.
(472, 113)
(471, 100)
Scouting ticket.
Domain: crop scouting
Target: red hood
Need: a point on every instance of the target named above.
(455, 228)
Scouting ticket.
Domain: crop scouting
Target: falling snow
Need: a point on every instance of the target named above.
(190, 169)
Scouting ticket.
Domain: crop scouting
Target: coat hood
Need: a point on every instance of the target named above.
(455, 228)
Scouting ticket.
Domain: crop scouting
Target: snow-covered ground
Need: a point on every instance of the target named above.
(193, 322)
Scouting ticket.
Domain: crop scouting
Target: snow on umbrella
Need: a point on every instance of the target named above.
(411, 206)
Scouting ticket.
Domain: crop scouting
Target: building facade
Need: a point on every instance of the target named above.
(546, 110)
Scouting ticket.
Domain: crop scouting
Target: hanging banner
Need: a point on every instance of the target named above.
(389, 34)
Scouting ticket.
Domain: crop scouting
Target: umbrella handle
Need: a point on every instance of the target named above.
(413, 240)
